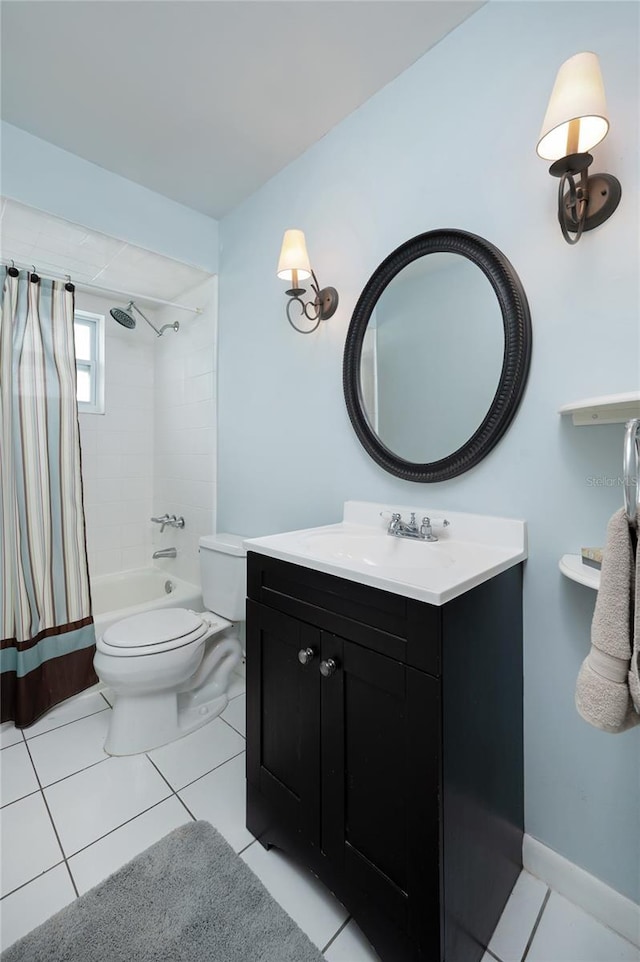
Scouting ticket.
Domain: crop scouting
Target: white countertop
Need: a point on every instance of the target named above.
(472, 549)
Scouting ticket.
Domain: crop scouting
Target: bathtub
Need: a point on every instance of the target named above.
(128, 593)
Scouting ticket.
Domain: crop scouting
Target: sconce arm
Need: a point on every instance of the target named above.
(573, 206)
(320, 309)
(585, 205)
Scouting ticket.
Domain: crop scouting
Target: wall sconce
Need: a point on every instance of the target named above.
(294, 267)
(576, 120)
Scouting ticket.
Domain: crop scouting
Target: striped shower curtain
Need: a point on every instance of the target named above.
(47, 638)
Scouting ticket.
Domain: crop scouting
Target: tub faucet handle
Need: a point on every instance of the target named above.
(163, 521)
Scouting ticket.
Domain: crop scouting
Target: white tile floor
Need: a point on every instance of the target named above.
(71, 816)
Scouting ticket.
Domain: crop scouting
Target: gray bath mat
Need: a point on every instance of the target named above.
(188, 898)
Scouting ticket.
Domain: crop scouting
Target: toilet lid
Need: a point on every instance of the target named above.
(157, 627)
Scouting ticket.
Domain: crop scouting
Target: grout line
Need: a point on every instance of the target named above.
(86, 768)
(186, 807)
(34, 879)
(536, 924)
(73, 881)
(53, 824)
(246, 847)
(182, 802)
(121, 825)
(4, 747)
(231, 727)
(336, 934)
(102, 695)
(164, 779)
(189, 784)
(66, 724)
(493, 955)
(20, 799)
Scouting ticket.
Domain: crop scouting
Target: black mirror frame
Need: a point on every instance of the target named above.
(515, 367)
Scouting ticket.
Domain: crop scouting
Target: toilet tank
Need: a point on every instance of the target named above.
(223, 572)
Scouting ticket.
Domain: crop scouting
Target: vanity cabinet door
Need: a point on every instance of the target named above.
(380, 769)
(283, 720)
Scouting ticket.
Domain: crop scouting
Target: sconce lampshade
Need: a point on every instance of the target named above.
(576, 118)
(294, 257)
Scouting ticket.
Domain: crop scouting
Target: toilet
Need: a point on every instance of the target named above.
(169, 668)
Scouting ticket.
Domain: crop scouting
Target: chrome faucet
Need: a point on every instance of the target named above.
(411, 529)
(168, 519)
(165, 553)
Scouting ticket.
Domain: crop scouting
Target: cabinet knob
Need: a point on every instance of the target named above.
(305, 655)
(328, 667)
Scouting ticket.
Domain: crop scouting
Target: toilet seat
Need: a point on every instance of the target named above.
(155, 631)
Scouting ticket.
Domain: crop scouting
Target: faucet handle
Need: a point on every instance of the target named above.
(394, 519)
(163, 521)
(439, 522)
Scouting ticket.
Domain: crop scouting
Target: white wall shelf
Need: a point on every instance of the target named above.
(572, 567)
(608, 409)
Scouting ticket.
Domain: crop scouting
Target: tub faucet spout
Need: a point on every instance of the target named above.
(165, 553)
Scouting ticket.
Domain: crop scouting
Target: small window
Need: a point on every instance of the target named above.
(89, 338)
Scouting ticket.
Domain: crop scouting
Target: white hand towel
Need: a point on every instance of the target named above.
(603, 697)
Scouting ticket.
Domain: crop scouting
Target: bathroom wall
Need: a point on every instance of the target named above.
(117, 448)
(44, 176)
(185, 428)
(451, 143)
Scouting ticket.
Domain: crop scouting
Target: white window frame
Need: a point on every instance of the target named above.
(95, 365)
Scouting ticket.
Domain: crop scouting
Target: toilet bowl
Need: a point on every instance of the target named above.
(170, 668)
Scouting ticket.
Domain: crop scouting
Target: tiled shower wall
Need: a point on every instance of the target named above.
(185, 428)
(153, 451)
(117, 448)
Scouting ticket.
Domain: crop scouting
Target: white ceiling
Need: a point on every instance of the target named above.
(55, 246)
(204, 100)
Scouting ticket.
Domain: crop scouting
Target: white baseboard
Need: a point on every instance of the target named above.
(588, 892)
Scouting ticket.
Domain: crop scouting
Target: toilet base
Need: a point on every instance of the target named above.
(144, 722)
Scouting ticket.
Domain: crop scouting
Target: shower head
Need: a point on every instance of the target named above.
(123, 317)
(127, 319)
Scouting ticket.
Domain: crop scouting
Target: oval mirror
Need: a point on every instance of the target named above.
(437, 355)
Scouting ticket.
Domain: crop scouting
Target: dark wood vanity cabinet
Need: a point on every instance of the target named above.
(384, 750)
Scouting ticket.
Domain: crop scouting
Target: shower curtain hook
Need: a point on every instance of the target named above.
(34, 274)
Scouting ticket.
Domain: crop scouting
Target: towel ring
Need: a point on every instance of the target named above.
(631, 468)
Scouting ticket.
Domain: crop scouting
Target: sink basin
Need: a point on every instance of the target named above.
(377, 551)
(471, 550)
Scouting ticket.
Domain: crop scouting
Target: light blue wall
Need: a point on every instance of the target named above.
(36, 173)
(451, 143)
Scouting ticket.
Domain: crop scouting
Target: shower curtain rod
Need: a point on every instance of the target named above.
(86, 286)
